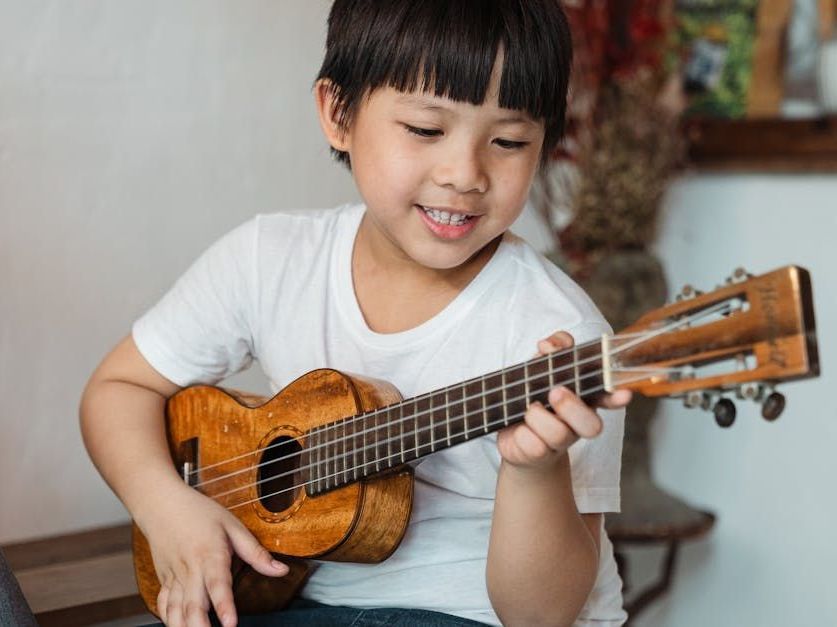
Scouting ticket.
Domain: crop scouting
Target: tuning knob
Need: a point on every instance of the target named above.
(693, 399)
(688, 292)
(739, 275)
(773, 406)
(724, 411)
(750, 391)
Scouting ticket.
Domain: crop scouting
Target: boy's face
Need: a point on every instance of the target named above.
(441, 179)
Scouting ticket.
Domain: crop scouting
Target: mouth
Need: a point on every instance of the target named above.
(447, 216)
(447, 223)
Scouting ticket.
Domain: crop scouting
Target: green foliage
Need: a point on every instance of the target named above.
(726, 23)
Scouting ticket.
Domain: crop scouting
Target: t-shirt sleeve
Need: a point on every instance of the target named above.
(201, 330)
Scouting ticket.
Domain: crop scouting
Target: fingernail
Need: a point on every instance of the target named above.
(278, 565)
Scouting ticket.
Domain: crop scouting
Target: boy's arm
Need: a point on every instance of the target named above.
(543, 555)
(191, 537)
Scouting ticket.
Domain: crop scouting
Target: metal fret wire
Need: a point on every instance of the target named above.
(301, 485)
(502, 420)
(636, 339)
(428, 412)
(369, 446)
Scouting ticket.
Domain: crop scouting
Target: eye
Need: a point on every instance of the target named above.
(508, 144)
(423, 132)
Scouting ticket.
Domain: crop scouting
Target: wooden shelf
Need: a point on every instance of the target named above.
(769, 144)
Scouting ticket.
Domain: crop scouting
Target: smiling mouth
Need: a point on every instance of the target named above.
(440, 216)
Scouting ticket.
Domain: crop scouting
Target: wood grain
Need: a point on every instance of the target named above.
(361, 522)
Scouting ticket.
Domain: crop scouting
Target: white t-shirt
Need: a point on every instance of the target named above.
(279, 289)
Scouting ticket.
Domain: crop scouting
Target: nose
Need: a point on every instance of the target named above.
(461, 169)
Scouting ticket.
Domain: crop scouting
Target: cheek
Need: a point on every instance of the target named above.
(386, 174)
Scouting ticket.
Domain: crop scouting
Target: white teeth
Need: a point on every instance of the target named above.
(445, 217)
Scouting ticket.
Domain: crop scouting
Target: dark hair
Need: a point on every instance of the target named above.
(451, 46)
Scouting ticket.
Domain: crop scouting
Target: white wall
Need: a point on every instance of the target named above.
(133, 133)
(770, 559)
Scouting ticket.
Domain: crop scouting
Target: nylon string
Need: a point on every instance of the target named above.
(634, 337)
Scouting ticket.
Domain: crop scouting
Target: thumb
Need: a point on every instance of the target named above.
(248, 549)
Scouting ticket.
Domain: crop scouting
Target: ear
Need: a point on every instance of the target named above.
(327, 109)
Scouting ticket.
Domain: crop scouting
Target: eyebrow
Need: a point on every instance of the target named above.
(431, 104)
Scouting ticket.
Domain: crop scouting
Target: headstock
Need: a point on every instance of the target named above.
(742, 339)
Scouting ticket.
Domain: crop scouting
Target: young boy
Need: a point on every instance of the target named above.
(443, 110)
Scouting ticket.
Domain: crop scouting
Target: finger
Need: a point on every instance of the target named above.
(218, 583)
(557, 341)
(248, 548)
(560, 339)
(554, 432)
(162, 602)
(528, 444)
(617, 399)
(174, 607)
(572, 410)
(196, 604)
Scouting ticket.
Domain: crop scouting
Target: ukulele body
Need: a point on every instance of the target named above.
(214, 433)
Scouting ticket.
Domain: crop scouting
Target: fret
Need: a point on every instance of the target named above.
(364, 431)
(447, 417)
(321, 456)
(526, 395)
(473, 404)
(493, 400)
(344, 458)
(354, 450)
(425, 423)
(551, 371)
(377, 449)
(314, 438)
(432, 428)
(389, 438)
(456, 428)
(575, 371)
(589, 365)
(465, 434)
(401, 430)
(516, 399)
(505, 403)
(327, 456)
(539, 381)
(416, 428)
(484, 411)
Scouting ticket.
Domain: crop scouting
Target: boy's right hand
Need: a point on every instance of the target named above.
(192, 540)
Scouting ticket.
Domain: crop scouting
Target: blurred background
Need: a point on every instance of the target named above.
(133, 133)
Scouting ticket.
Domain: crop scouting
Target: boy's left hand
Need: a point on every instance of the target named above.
(543, 438)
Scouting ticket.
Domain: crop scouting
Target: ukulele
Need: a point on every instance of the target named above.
(321, 469)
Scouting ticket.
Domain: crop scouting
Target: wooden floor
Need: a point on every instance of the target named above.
(80, 579)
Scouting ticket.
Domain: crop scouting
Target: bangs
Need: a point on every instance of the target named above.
(449, 48)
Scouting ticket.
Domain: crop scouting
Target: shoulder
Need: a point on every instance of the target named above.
(546, 299)
(289, 224)
(266, 237)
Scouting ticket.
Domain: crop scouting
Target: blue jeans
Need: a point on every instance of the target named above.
(306, 613)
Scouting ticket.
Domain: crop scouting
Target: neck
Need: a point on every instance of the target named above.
(360, 446)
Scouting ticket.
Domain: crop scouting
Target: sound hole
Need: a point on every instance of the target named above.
(278, 477)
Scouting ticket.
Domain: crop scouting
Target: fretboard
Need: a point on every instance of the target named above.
(360, 446)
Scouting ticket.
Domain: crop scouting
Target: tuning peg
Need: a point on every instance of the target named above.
(739, 275)
(687, 292)
(750, 391)
(773, 406)
(724, 411)
(693, 399)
